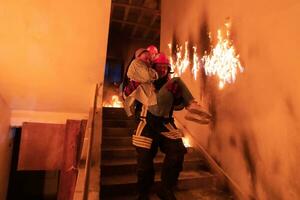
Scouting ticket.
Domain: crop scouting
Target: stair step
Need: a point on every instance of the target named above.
(126, 166)
(118, 152)
(116, 137)
(126, 184)
(116, 141)
(206, 193)
(115, 113)
(117, 132)
(122, 152)
(119, 123)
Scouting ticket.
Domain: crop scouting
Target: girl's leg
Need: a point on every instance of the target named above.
(178, 88)
(167, 94)
(165, 99)
(164, 104)
(195, 111)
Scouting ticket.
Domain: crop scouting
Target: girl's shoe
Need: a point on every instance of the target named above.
(195, 108)
(197, 118)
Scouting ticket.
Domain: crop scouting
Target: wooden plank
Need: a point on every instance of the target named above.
(90, 146)
(84, 125)
(69, 170)
(81, 178)
(41, 146)
(88, 181)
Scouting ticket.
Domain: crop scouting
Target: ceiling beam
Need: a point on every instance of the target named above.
(154, 11)
(135, 24)
(142, 40)
(151, 25)
(138, 21)
(156, 38)
(127, 8)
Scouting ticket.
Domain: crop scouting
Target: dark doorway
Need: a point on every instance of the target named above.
(42, 185)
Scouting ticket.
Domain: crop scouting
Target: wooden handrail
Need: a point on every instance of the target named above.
(88, 159)
(86, 153)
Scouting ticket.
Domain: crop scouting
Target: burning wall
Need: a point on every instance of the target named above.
(255, 134)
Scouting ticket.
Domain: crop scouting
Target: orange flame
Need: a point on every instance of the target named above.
(223, 60)
(186, 142)
(180, 63)
(196, 63)
(113, 102)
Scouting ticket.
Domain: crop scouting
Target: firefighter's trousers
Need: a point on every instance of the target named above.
(153, 134)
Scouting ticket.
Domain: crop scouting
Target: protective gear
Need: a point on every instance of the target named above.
(161, 132)
(161, 59)
(166, 194)
(162, 65)
(152, 50)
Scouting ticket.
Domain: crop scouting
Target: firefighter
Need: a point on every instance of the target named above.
(163, 134)
(158, 95)
(157, 129)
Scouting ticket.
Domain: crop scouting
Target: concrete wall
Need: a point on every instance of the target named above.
(255, 137)
(52, 55)
(5, 147)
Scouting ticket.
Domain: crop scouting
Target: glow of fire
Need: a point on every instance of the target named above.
(180, 63)
(223, 60)
(196, 63)
(186, 142)
(113, 102)
(185, 62)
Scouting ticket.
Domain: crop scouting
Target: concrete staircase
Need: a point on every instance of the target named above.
(118, 165)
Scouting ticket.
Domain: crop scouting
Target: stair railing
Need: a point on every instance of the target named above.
(82, 186)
